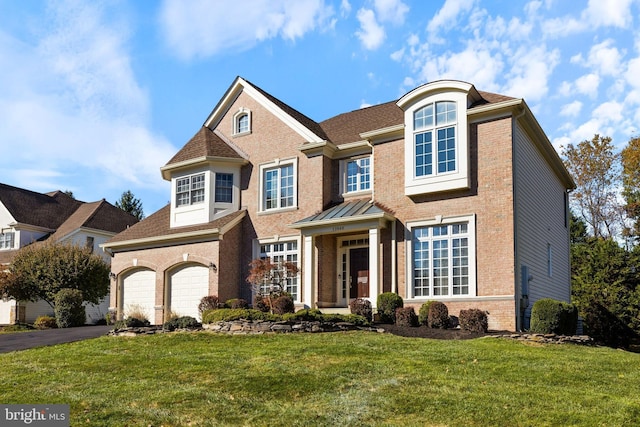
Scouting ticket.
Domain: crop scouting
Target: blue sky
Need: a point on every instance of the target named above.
(96, 96)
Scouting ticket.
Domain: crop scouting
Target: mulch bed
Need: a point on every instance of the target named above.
(434, 333)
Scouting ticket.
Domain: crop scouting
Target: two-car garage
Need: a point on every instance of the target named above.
(186, 285)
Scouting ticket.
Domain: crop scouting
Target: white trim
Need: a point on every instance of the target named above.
(470, 220)
(308, 273)
(282, 239)
(242, 111)
(345, 250)
(343, 176)
(374, 266)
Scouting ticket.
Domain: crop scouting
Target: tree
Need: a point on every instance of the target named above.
(39, 271)
(594, 167)
(69, 193)
(269, 279)
(630, 158)
(129, 203)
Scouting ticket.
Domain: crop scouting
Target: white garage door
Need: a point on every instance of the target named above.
(138, 291)
(6, 307)
(188, 285)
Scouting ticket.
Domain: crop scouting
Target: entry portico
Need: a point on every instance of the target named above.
(343, 256)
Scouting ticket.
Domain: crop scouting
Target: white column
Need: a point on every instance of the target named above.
(374, 267)
(308, 273)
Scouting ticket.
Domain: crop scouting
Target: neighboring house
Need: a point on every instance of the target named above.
(27, 217)
(448, 194)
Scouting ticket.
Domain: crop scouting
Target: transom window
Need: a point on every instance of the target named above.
(435, 138)
(441, 260)
(282, 252)
(190, 190)
(278, 187)
(224, 188)
(6, 240)
(358, 175)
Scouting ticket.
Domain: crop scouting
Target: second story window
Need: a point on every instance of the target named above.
(278, 187)
(358, 175)
(435, 138)
(6, 240)
(190, 190)
(224, 188)
(242, 122)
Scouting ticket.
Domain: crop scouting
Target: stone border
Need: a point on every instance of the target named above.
(549, 338)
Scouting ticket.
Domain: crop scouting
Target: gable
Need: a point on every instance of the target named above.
(305, 127)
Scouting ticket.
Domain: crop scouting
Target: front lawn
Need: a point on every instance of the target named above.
(346, 379)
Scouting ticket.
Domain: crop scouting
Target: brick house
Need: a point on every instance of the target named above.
(448, 194)
(27, 217)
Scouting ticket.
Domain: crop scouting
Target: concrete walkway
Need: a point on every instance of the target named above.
(31, 339)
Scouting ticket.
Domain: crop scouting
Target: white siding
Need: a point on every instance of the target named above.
(6, 307)
(33, 310)
(541, 224)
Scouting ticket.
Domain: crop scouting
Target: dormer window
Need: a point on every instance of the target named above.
(436, 135)
(242, 122)
(190, 190)
(435, 138)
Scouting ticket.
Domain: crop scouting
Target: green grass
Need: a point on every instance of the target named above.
(331, 379)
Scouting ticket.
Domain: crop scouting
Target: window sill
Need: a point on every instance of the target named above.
(241, 134)
(279, 210)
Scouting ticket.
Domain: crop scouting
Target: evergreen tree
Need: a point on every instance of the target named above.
(129, 203)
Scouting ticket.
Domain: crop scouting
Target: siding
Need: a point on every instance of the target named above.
(540, 222)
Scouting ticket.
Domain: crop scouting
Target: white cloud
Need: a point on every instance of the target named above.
(474, 65)
(605, 58)
(75, 111)
(194, 29)
(588, 84)
(610, 13)
(393, 11)
(448, 16)
(530, 72)
(572, 109)
(371, 34)
(632, 73)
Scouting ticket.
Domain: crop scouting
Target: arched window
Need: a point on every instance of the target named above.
(242, 122)
(435, 138)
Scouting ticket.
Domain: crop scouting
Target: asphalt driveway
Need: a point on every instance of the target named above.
(31, 339)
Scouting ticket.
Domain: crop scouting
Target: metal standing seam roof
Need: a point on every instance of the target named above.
(352, 210)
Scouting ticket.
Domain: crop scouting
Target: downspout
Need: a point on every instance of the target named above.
(520, 308)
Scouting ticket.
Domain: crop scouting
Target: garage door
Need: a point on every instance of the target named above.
(138, 292)
(188, 285)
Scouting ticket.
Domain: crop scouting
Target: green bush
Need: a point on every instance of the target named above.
(230, 314)
(388, 302)
(261, 303)
(356, 319)
(283, 304)
(131, 322)
(45, 322)
(236, 303)
(423, 313)
(549, 316)
(362, 307)
(306, 315)
(183, 322)
(438, 316)
(607, 328)
(474, 320)
(406, 316)
(209, 302)
(69, 310)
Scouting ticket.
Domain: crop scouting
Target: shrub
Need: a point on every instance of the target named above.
(406, 316)
(306, 314)
(261, 303)
(283, 304)
(423, 313)
(184, 322)
(210, 302)
(230, 314)
(605, 327)
(136, 311)
(549, 316)
(388, 302)
(45, 322)
(362, 307)
(474, 320)
(236, 303)
(438, 316)
(131, 322)
(69, 310)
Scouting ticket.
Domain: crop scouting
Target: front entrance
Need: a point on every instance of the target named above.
(359, 273)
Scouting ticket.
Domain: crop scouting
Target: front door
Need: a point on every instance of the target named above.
(359, 273)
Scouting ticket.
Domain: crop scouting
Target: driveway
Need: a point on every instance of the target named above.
(25, 340)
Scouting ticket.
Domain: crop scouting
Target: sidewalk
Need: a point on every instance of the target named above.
(31, 339)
